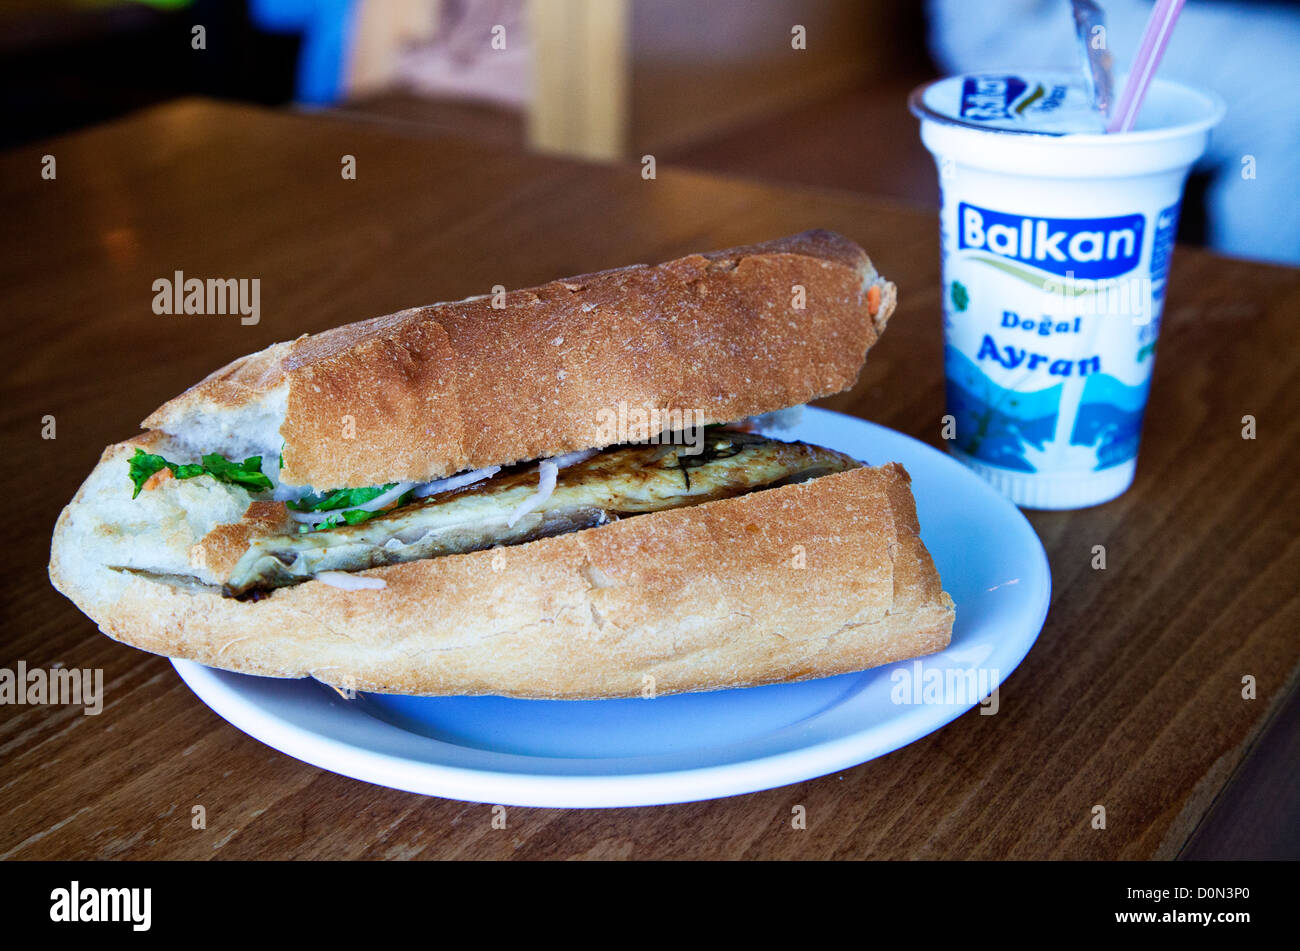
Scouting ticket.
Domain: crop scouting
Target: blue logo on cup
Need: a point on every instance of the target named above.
(1087, 248)
(984, 98)
(995, 98)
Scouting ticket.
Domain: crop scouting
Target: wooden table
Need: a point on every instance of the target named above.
(1131, 699)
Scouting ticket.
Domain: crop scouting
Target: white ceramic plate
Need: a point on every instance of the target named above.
(691, 746)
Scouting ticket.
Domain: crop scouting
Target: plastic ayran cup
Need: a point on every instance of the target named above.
(1056, 248)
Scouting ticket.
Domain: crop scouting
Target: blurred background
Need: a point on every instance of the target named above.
(715, 85)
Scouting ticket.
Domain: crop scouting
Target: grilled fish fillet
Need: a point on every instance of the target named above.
(614, 483)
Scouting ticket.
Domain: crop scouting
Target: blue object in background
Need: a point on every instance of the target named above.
(326, 28)
(1244, 50)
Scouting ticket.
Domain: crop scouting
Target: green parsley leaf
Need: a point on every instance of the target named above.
(339, 498)
(143, 466)
(248, 473)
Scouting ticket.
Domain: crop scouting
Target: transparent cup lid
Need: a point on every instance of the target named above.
(1038, 103)
(1048, 106)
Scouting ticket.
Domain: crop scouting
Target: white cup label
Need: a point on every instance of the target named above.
(1050, 328)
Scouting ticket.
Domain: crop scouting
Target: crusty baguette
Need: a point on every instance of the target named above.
(784, 584)
(433, 390)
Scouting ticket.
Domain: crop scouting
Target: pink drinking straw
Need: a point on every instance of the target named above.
(1154, 40)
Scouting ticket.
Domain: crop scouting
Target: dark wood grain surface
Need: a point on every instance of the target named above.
(1131, 699)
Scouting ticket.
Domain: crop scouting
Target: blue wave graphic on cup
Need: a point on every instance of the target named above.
(1015, 429)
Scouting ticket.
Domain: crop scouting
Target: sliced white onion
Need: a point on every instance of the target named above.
(387, 498)
(787, 418)
(547, 471)
(279, 491)
(455, 482)
(350, 582)
(572, 458)
(290, 493)
(313, 518)
(374, 505)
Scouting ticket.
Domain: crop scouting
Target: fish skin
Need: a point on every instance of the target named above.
(618, 482)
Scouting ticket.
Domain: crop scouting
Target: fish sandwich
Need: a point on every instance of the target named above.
(480, 497)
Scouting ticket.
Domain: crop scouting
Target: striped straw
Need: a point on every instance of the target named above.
(1154, 40)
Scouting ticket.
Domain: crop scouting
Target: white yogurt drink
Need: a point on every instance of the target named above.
(1056, 242)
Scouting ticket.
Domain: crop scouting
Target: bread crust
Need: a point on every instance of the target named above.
(430, 391)
(785, 584)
